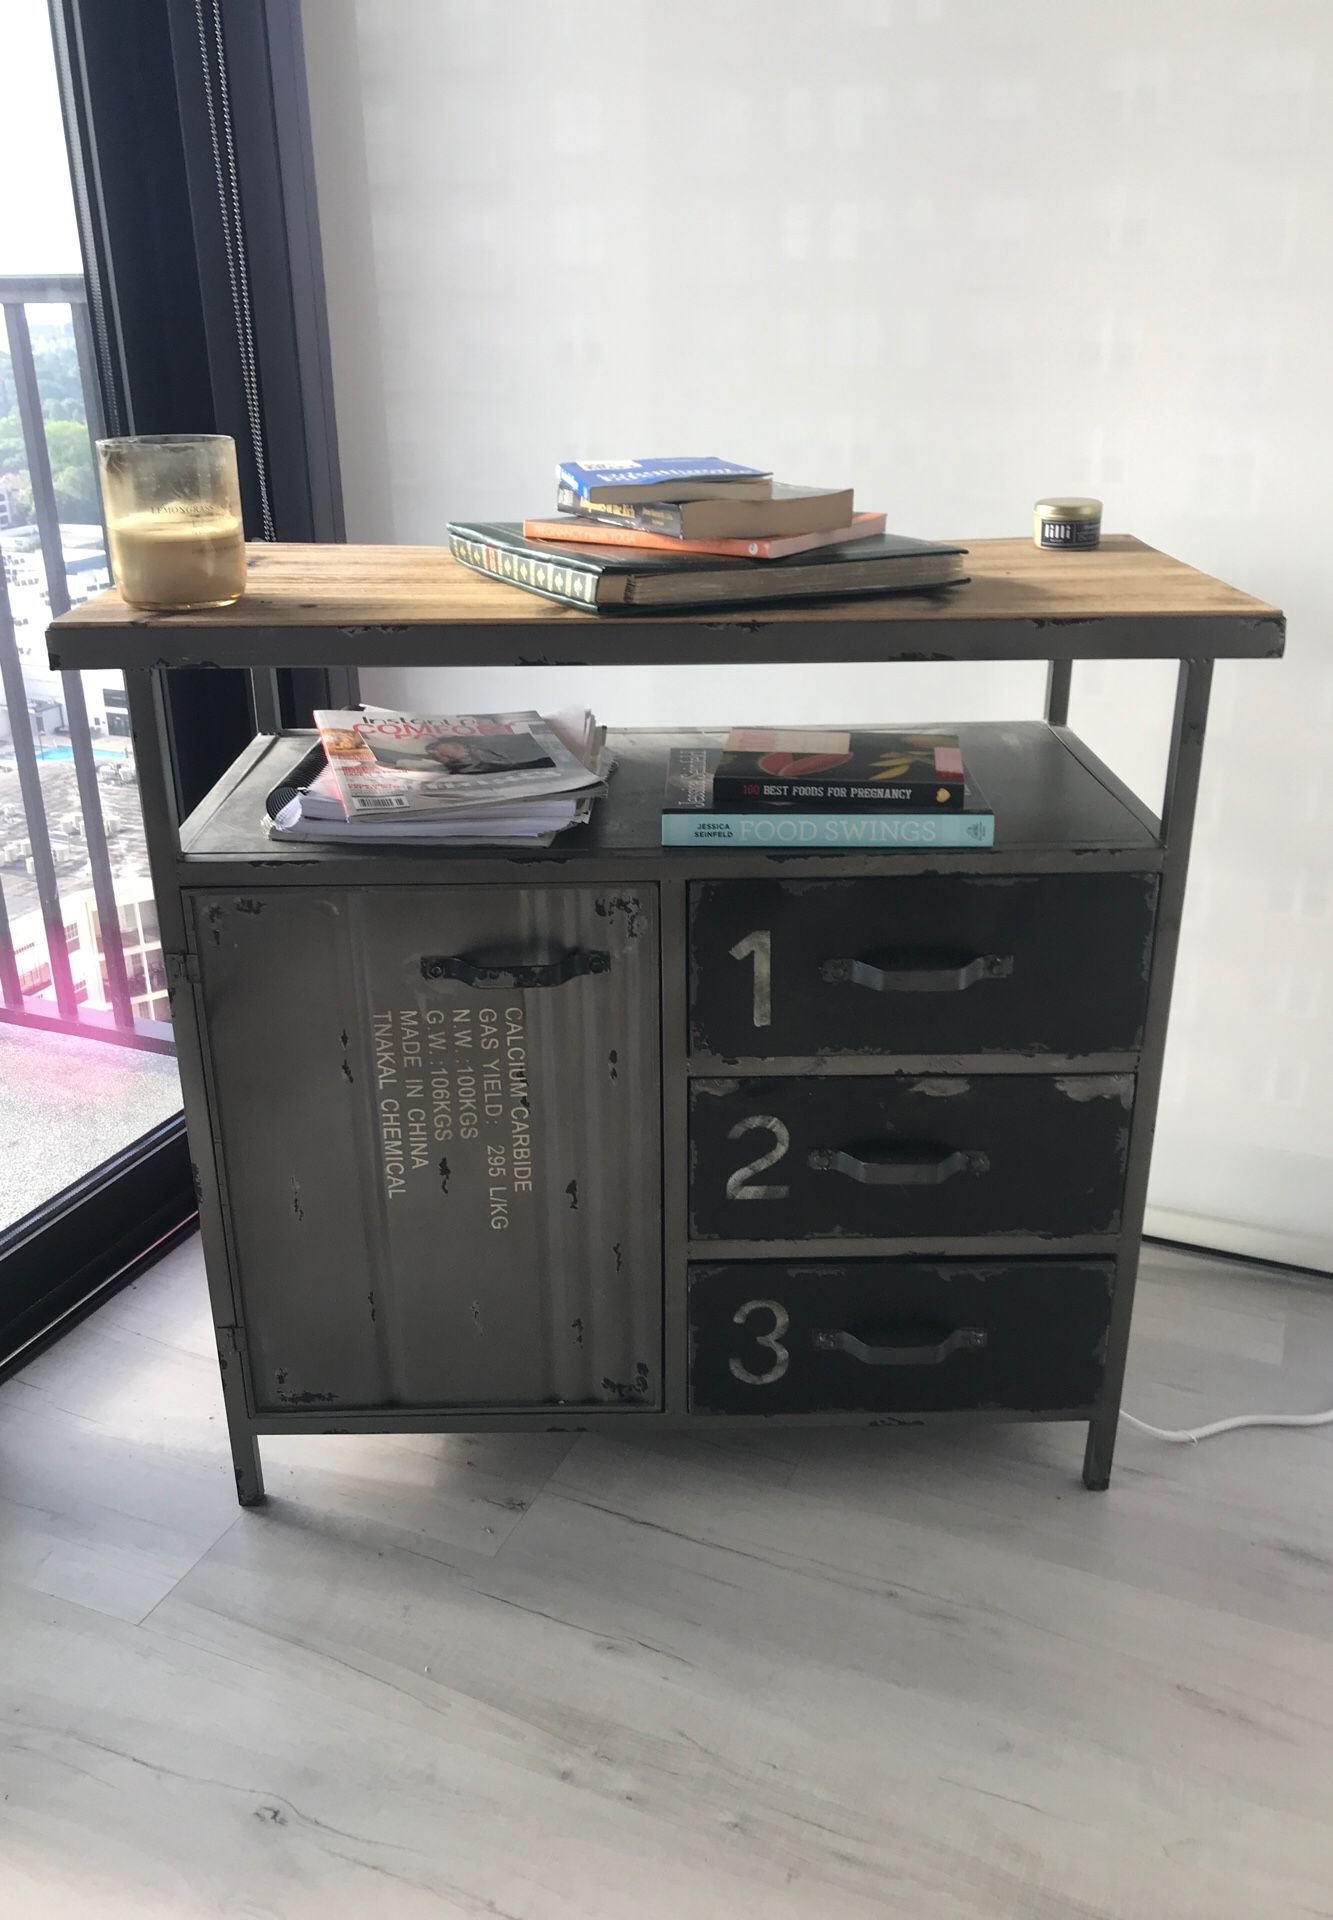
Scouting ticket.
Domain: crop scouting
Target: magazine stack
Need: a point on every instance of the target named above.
(491, 779)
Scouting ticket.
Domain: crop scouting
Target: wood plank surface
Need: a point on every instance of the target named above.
(775, 1676)
(390, 605)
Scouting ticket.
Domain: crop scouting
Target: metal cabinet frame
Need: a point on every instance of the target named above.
(148, 649)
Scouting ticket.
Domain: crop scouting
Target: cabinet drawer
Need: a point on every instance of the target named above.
(881, 1157)
(898, 1337)
(924, 964)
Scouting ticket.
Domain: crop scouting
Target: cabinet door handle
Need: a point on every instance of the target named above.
(890, 1168)
(916, 973)
(514, 973)
(915, 1354)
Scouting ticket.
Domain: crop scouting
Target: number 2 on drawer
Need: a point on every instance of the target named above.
(738, 1183)
(758, 946)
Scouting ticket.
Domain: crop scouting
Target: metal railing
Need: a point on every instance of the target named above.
(35, 989)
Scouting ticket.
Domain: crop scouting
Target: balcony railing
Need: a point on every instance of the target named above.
(78, 943)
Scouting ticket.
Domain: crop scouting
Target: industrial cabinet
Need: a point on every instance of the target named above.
(611, 1132)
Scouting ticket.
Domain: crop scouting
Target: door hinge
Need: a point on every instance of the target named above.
(182, 968)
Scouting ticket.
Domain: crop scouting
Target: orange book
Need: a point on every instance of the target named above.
(567, 529)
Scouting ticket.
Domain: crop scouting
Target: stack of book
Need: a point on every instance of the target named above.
(837, 788)
(698, 531)
(489, 779)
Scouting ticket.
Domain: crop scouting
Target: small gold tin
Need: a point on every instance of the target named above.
(1067, 521)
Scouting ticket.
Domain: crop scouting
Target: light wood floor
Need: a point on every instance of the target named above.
(669, 1679)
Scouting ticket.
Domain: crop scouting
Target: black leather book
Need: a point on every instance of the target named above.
(625, 579)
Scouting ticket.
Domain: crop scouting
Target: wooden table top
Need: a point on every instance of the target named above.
(335, 605)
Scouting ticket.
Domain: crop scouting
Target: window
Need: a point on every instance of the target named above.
(62, 852)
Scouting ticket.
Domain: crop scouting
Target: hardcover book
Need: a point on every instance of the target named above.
(624, 579)
(693, 817)
(601, 530)
(679, 476)
(849, 771)
(790, 510)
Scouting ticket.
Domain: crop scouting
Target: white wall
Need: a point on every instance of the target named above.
(959, 252)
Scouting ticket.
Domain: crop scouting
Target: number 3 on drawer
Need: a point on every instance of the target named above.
(772, 1341)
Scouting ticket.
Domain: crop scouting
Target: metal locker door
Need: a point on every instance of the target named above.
(439, 1118)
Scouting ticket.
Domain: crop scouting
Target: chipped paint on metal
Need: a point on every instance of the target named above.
(630, 1390)
(1097, 1086)
(630, 908)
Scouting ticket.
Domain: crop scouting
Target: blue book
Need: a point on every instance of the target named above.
(689, 819)
(672, 476)
(816, 832)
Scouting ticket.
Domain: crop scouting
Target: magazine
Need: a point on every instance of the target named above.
(308, 804)
(419, 767)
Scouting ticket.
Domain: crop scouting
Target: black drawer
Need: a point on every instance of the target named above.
(898, 1336)
(925, 964)
(880, 1157)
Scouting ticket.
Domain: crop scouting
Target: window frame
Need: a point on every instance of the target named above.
(166, 205)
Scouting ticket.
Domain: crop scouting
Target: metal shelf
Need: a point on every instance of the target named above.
(1056, 807)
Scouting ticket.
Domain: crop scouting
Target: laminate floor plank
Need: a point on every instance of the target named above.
(792, 1675)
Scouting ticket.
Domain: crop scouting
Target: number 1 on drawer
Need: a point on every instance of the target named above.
(759, 947)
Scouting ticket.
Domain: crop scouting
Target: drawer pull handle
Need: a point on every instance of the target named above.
(871, 1354)
(899, 1169)
(916, 973)
(513, 973)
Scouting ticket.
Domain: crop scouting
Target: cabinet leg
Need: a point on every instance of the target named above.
(249, 1468)
(1098, 1453)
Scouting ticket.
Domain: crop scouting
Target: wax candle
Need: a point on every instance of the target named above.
(173, 519)
(163, 560)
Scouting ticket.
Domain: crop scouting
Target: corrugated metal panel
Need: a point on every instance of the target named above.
(442, 1171)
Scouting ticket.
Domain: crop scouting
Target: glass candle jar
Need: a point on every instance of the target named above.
(173, 519)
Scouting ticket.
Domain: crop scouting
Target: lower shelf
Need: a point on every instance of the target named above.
(607, 1419)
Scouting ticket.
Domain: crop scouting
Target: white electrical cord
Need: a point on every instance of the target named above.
(1186, 1436)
